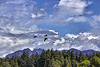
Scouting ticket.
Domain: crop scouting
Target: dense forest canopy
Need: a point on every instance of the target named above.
(51, 58)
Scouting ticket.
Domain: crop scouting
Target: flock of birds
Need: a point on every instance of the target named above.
(44, 38)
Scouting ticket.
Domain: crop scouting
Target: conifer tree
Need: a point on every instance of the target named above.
(68, 53)
(64, 54)
(80, 57)
(36, 63)
(87, 56)
(69, 62)
(72, 55)
(66, 63)
(77, 57)
(32, 59)
(62, 61)
(48, 59)
(56, 54)
(42, 59)
(52, 53)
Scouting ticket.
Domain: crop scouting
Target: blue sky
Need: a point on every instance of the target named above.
(68, 24)
(95, 7)
(71, 27)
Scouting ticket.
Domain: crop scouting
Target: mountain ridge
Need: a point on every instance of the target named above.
(39, 51)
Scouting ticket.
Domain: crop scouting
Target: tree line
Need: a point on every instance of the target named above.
(51, 58)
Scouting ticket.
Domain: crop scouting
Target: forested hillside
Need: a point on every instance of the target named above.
(51, 58)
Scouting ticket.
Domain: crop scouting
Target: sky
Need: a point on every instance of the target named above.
(68, 24)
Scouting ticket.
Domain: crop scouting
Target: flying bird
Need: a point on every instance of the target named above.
(35, 36)
(45, 39)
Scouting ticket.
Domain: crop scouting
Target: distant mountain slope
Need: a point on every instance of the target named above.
(39, 51)
(20, 52)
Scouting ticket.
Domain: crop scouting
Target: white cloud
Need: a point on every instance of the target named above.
(53, 31)
(95, 21)
(74, 7)
(59, 41)
(33, 16)
(71, 36)
(69, 19)
(77, 19)
(89, 12)
(80, 19)
(38, 15)
(93, 37)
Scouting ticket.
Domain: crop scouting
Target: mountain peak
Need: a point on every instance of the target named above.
(27, 49)
(73, 49)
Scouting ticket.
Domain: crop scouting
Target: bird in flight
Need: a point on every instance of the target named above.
(35, 36)
(45, 39)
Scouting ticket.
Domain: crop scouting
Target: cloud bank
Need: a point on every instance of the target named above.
(11, 42)
(25, 13)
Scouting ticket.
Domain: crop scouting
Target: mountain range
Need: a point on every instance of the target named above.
(39, 51)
